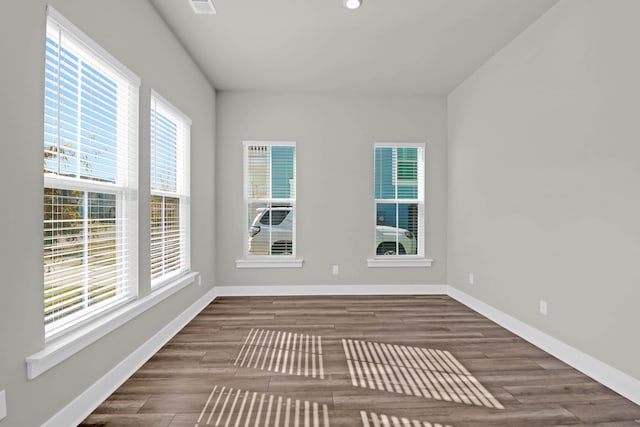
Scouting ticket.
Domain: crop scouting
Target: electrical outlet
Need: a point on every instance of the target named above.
(199, 280)
(471, 279)
(336, 269)
(543, 307)
(3, 404)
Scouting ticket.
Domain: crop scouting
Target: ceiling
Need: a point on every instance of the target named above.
(390, 46)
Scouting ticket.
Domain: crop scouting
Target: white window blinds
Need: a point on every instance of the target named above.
(90, 178)
(170, 140)
(399, 199)
(270, 197)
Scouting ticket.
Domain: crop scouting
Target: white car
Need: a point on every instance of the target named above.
(272, 230)
(387, 237)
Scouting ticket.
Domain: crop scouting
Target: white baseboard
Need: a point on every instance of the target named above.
(616, 380)
(298, 290)
(90, 399)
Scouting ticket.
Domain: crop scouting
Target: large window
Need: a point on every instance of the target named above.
(170, 136)
(90, 178)
(399, 200)
(270, 197)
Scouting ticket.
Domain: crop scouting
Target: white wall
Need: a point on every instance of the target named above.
(544, 176)
(132, 32)
(335, 134)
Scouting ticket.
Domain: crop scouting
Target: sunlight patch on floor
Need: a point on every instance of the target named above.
(285, 352)
(433, 374)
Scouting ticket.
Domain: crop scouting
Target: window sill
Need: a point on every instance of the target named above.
(269, 263)
(171, 279)
(60, 349)
(398, 262)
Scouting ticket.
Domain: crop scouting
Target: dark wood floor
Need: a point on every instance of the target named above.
(424, 361)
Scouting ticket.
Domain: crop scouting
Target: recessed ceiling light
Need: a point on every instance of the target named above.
(352, 4)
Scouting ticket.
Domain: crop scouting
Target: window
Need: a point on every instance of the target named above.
(399, 200)
(90, 179)
(170, 137)
(270, 197)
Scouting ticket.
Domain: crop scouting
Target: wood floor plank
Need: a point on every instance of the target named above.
(355, 361)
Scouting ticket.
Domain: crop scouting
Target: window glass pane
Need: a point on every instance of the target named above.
(384, 173)
(156, 236)
(165, 235)
(396, 229)
(172, 233)
(164, 152)
(102, 246)
(282, 177)
(407, 173)
(259, 172)
(63, 252)
(98, 125)
(408, 227)
(386, 229)
(80, 134)
(270, 229)
(396, 173)
(80, 250)
(259, 238)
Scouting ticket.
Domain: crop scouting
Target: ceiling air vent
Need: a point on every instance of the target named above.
(202, 6)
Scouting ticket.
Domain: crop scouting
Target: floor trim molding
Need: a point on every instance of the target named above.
(298, 290)
(616, 380)
(91, 398)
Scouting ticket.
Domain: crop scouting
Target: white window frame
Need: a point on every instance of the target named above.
(397, 260)
(125, 188)
(268, 261)
(183, 184)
